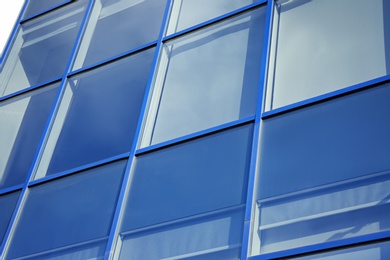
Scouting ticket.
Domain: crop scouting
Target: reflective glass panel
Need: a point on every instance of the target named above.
(365, 252)
(329, 142)
(69, 218)
(22, 120)
(324, 45)
(324, 172)
(216, 235)
(197, 190)
(325, 213)
(207, 78)
(116, 26)
(98, 115)
(7, 207)
(37, 6)
(42, 49)
(187, 13)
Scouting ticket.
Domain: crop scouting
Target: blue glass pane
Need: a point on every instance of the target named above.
(69, 216)
(322, 46)
(116, 26)
(22, 121)
(329, 142)
(7, 207)
(324, 172)
(188, 200)
(37, 6)
(42, 48)
(198, 176)
(187, 13)
(364, 252)
(98, 115)
(215, 236)
(207, 78)
(325, 213)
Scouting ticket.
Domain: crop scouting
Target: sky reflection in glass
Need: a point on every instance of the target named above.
(187, 13)
(116, 26)
(324, 45)
(42, 48)
(207, 78)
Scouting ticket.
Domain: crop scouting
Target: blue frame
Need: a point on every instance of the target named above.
(135, 151)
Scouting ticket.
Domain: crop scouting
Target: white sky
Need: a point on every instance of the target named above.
(9, 11)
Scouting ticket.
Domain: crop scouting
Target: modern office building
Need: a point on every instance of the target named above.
(196, 129)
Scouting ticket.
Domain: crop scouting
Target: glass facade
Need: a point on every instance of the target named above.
(192, 129)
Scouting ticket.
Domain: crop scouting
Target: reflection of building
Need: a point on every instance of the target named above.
(186, 129)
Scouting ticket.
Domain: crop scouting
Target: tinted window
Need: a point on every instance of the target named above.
(7, 206)
(98, 115)
(42, 49)
(208, 78)
(181, 193)
(22, 121)
(116, 26)
(322, 46)
(187, 13)
(70, 217)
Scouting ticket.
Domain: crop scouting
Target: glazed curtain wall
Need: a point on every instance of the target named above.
(188, 129)
(120, 129)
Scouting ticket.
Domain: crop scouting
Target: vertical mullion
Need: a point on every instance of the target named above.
(45, 134)
(254, 161)
(114, 231)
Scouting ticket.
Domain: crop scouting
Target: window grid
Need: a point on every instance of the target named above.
(259, 116)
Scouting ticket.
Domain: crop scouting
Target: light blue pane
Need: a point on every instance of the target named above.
(98, 114)
(324, 45)
(210, 78)
(116, 26)
(215, 236)
(191, 178)
(42, 48)
(364, 252)
(36, 6)
(329, 142)
(326, 213)
(7, 207)
(22, 121)
(187, 13)
(69, 216)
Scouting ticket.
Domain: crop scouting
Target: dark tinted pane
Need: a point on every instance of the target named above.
(42, 49)
(329, 142)
(7, 207)
(187, 200)
(119, 25)
(68, 216)
(36, 6)
(98, 115)
(22, 121)
(199, 176)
